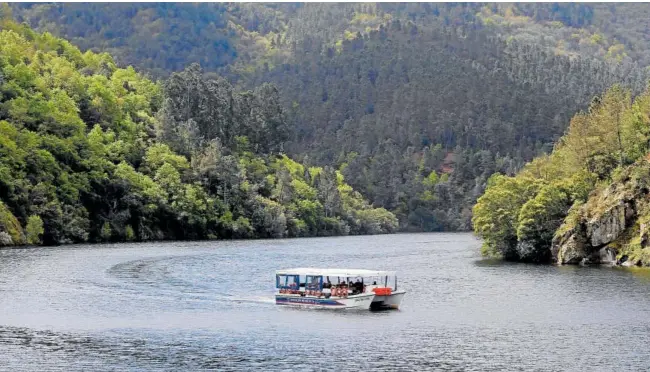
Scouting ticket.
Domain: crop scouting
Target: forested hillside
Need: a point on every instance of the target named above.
(164, 37)
(462, 103)
(416, 105)
(418, 115)
(586, 202)
(93, 152)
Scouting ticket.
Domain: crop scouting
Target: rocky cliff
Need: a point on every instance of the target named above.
(612, 226)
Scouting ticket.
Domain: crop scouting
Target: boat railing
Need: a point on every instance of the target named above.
(334, 291)
(317, 291)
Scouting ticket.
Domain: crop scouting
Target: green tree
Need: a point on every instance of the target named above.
(34, 230)
(100, 153)
(538, 220)
(106, 232)
(496, 213)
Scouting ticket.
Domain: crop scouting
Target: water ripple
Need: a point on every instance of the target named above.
(209, 306)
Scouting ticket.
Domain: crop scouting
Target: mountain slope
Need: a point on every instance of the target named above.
(392, 105)
(93, 152)
(416, 104)
(586, 201)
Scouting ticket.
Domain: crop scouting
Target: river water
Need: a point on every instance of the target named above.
(209, 306)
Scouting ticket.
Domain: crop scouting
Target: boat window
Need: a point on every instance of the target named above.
(314, 282)
(287, 281)
(389, 281)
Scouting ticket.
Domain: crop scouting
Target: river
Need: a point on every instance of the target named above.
(209, 306)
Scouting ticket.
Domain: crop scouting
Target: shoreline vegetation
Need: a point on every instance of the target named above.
(585, 203)
(415, 104)
(304, 123)
(90, 152)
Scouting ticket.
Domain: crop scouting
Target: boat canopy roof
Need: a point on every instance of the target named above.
(334, 272)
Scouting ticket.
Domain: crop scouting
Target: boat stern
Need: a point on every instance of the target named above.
(388, 301)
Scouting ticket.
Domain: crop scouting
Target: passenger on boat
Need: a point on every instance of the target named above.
(342, 289)
(327, 289)
(358, 287)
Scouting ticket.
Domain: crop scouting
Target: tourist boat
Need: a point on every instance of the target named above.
(334, 289)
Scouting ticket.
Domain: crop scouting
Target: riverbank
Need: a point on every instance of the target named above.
(587, 202)
(233, 239)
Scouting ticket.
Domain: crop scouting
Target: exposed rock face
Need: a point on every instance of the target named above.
(587, 241)
(645, 234)
(627, 262)
(612, 226)
(569, 248)
(607, 227)
(5, 239)
(607, 256)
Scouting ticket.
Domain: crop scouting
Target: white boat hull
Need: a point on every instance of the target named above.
(361, 301)
(391, 301)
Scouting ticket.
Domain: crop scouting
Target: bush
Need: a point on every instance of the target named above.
(34, 230)
(496, 213)
(106, 232)
(129, 234)
(538, 220)
(10, 226)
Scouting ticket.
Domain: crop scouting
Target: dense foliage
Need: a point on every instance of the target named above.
(416, 104)
(93, 152)
(518, 217)
(404, 99)
(160, 37)
(164, 37)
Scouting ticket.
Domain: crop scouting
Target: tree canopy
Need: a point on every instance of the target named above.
(93, 152)
(386, 94)
(518, 217)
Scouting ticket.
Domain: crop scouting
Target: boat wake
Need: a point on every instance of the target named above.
(255, 300)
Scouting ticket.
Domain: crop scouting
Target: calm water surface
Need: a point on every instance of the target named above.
(209, 306)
